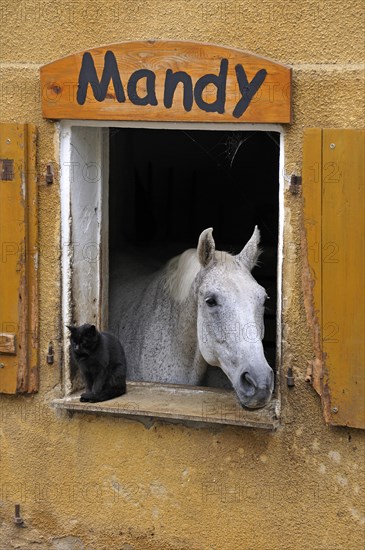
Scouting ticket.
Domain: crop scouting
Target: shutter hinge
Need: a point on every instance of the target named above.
(290, 378)
(295, 184)
(50, 354)
(49, 174)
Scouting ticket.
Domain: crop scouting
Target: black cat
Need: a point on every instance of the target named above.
(101, 360)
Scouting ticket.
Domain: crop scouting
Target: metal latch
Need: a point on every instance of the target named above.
(7, 343)
(18, 520)
(6, 169)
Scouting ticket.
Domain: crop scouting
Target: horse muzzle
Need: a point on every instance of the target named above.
(255, 392)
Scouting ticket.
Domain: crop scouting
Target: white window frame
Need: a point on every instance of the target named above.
(84, 154)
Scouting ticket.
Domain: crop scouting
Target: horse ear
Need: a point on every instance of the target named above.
(250, 253)
(206, 247)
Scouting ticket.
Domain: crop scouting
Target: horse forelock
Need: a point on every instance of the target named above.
(182, 270)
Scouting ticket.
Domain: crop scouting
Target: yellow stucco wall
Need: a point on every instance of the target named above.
(98, 483)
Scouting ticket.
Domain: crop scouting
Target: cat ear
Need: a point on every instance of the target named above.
(91, 330)
(70, 328)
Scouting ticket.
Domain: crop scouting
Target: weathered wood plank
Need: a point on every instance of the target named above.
(167, 80)
(312, 245)
(13, 251)
(32, 378)
(175, 402)
(343, 285)
(18, 274)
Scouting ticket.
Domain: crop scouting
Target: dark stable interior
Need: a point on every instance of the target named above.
(166, 186)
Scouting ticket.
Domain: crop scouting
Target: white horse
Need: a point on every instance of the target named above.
(203, 308)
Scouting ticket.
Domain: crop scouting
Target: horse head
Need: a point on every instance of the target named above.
(231, 318)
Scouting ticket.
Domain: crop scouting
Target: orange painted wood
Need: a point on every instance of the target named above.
(333, 191)
(18, 270)
(13, 249)
(343, 282)
(28, 379)
(270, 104)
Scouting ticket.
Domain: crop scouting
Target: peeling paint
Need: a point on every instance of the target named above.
(314, 373)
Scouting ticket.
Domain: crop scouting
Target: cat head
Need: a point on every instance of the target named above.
(84, 339)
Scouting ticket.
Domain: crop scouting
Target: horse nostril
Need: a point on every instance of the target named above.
(248, 384)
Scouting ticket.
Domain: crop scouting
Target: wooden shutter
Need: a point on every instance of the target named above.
(18, 266)
(333, 190)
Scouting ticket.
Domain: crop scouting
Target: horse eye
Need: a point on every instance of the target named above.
(211, 302)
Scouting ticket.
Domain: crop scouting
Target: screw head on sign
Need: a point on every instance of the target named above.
(334, 410)
(332, 145)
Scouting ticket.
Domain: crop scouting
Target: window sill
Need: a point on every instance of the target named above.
(175, 402)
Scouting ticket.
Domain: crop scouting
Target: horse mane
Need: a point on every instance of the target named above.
(182, 270)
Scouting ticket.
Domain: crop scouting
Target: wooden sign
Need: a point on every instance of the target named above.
(169, 81)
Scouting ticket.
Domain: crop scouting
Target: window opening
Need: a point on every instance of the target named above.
(166, 186)
(148, 193)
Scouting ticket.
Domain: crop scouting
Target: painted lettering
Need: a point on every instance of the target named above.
(247, 89)
(150, 97)
(88, 76)
(220, 83)
(171, 81)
